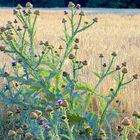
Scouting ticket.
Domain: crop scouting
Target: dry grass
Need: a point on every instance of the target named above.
(118, 33)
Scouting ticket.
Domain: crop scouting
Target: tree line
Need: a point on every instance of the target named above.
(84, 3)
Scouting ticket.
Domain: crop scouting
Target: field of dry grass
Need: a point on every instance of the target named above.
(120, 33)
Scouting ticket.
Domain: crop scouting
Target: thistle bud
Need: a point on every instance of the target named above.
(37, 12)
(138, 136)
(104, 65)
(12, 133)
(135, 76)
(46, 43)
(136, 113)
(71, 56)
(65, 12)
(20, 60)
(119, 129)
(95, 19)
(65, 103)
(114, 54)
(101, 55)
(76, 47)
(25, 127)
(2, 48)
(126, 122)
(20, 131)
(9, 113)
(84, 63)
(9, 37)
(124, 64)
(71, 5)
(65, 74)
(15, 12)
(64, 20)
(14, 64)
(77, 40)
(41, 43)
(19, 7)
(82, 13)
(28, 135)
(19, 29)
(124, 71)
(64, 117)
(25, 26)
(5, 74)
(29, 5)
(33, 115)
(78, 6)
(49, 108)
(60, 47)
(38, 112)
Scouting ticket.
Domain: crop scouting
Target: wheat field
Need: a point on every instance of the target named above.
(120, 33)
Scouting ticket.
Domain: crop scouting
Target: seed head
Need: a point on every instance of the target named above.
(37, 12)
(84, 63)
(135, 76)
(20, 131)
(28, 135)
(12, 133)
(29, 5)
(124, 71)
(71, 56)
(78, 6)
(82, 13)
(64, 20)
(126, 121)
(2, 48)
(114, 54)
(71, 5)
(19, 7)
(33, 115)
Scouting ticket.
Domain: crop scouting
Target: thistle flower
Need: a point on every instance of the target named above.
(71, 56)
(18, 110)
(64, 20)
(59, 102)
(47, 127)
(41, 121)
(12, 133)
(15, 21)
(20, 131)
(19, 7)
(77, 40)
(114, 54)
(78, 6)
(15, 12)
(19, 29)
(124, 64)
(65, 12)
(33, 115)
(71, 5)
(124, 71)
(28, 135)
(84, 63)
(118, 67)
(14, 64)
(82, 13)
(37, 12)
(2, 48)
(29, 5)
(126, 121)
(49, 108)
(101, 55)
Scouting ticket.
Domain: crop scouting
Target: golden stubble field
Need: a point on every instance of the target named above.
(120, 33)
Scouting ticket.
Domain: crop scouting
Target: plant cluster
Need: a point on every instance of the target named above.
(42, 101)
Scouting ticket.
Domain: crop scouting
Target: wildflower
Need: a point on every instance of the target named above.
(101, 55)
(114, 54)
(59, 102)
(9, 37)
(14, 64)
(65, 12)
(84, 63)
(41, 121)
(71, 5)
(138, 136)
(118, 67)
(37, 12)
(24, 12)
(33, 115)
(15, 21)
(126, 121)
(71, 56)
(47, 127)
(12, 133)
(2, 48)
(29, 5)
(95, 19)
(17, 110)
(77, 40)
(38, 112)
(65, 103)
(49, 108)
(82, 13)
(135, 76)
(119, 128)
(76, 47)
(124, 71)
(19, 7)
(124, 64)
(19, 29)
(64, 20)
(25, 126)
(9, 113)
(78, 6)
(15, 11)
(28, 135)
(20, 131)
(60, 47)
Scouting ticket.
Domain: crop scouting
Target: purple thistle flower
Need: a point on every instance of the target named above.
(14, 64)
(59, 102)
(78, 6)
(65, 12)
(41, 122)
(118, 67)
(24, 11)
(47, 127)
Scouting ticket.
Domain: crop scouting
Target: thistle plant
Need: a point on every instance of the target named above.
(42, 100)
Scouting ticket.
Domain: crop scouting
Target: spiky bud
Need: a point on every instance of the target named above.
(19, 7)
(12, 133)
(82, 13)
(114, 54)
(65, 103)
(38, 112)
(36, 12)
(124, 64)
(124, 71)
(9, 113)
(65, 74)
(64, 20)
(28, 135)
(2, 48)
(71, 56)
(126, 121)
(29, 5)
(49, 108)
(135, 76)
(20, 131)
(84, 63)
(71, 5)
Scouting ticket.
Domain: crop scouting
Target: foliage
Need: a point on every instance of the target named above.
(42, 101)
